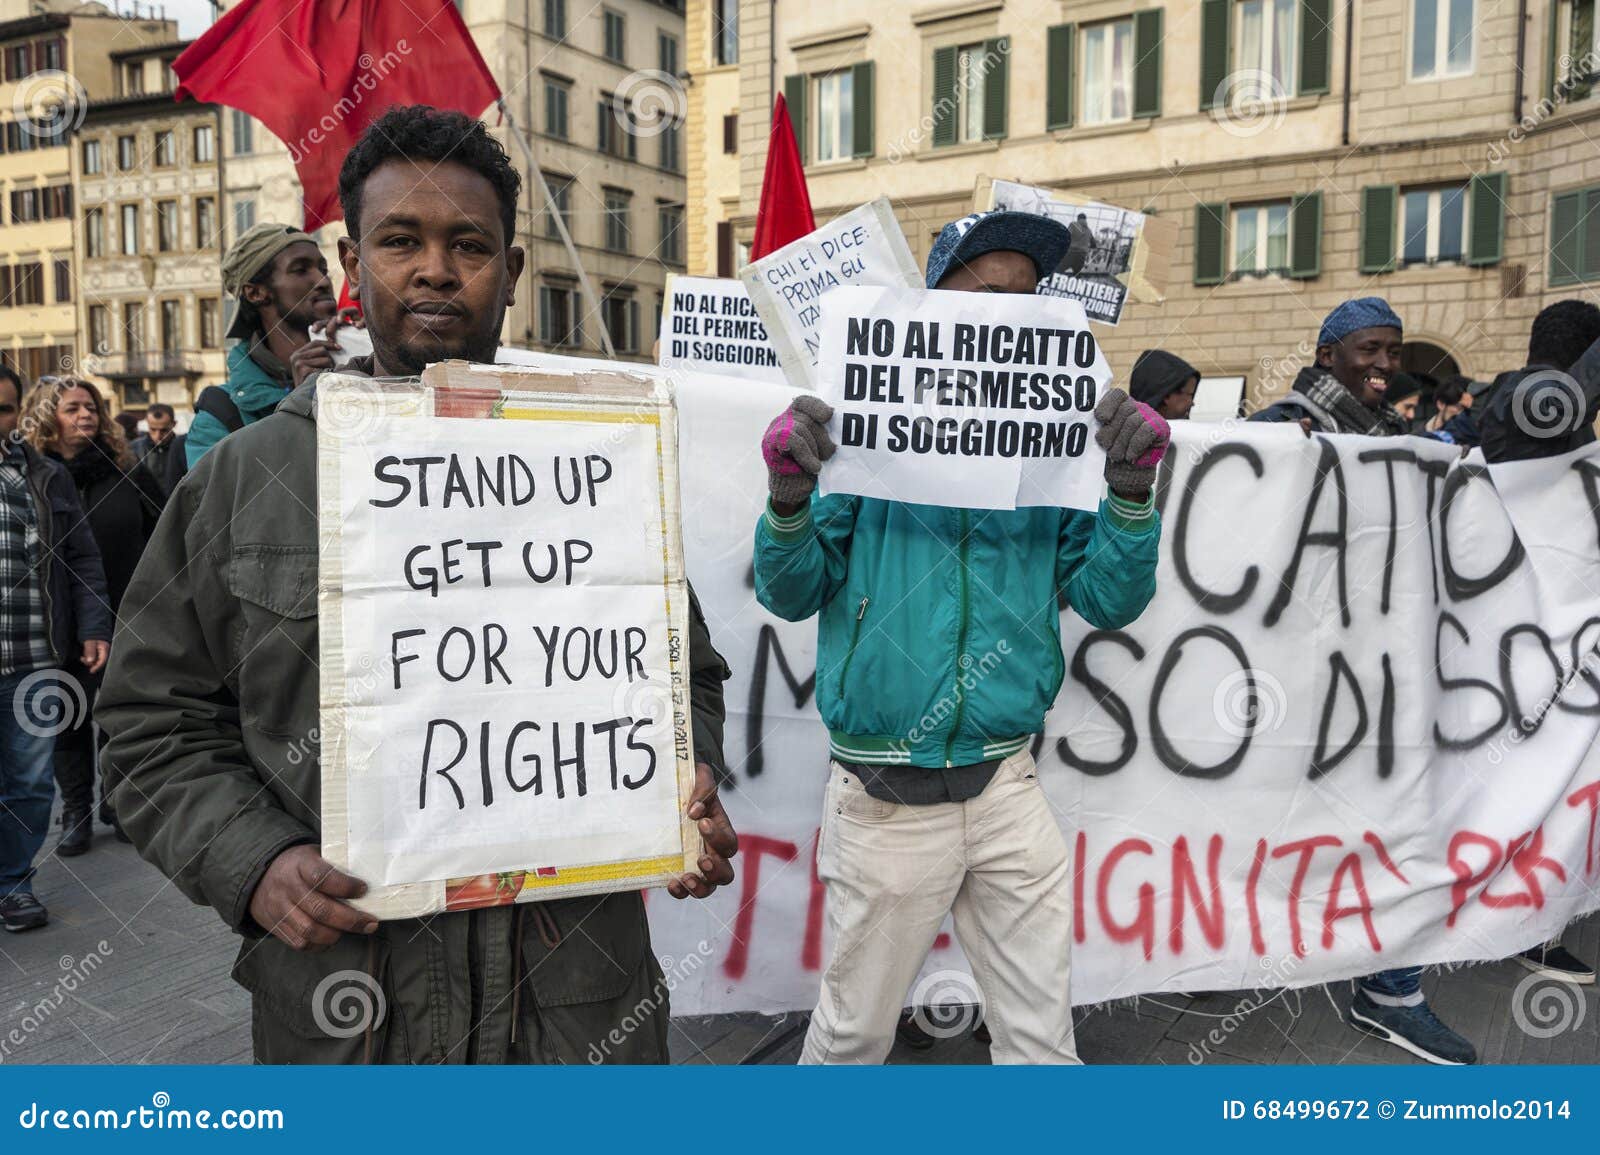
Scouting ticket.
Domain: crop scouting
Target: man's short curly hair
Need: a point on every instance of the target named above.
(1562, 331)
(422, 132)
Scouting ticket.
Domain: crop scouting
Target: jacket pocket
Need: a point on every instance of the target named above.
(600, 946)
(276, 586)
(855, 640)
(319, 1006)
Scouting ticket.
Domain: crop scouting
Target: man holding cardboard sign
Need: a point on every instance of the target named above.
(938, 654)
(212, 701)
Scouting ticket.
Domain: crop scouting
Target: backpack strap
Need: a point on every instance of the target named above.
(214, 400)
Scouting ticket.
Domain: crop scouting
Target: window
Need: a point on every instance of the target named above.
(94, 233)
(621, 314)
(615, 30)
(667, 53)
(171, 325)
(205, 222)
(555, 109)
(127, 153)
(669, 220)
(52, 54)
(99, 330)
(971, 73)
(133, 327)
(561, 194)
(1441, 38)
(555, 19)
(166, 149)
(672, 147)
(616, 136)
(91, 158)
(725, 31)
(205, 144)
(730, 133)
(1433, 223)
(133, 78)
(210, 323)
(57, 202)
(1267, 41)
(834, 115)
(166, 226)
(969, 92)
(27, 284)
(130, 230)
(244, 133)
(63, 270)
(1260, 239)
(244, 217)
(1108, 72)
(19, 62)
(617, 230)
(559, 316)
(24, 205)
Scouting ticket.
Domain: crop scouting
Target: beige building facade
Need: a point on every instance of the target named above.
(52, 63)
(1310, 152)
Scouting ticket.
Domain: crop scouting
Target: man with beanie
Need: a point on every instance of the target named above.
(1358, 351)
(279, 278)
(933, 804)
(1165, 382)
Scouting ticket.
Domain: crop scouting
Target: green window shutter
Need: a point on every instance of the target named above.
(1210, 244)
(1589, 253)
(861, 109)
(794, 95)
(1566, 220)
(1582, 39)
(1305, 236)
(1316, 46)
(944, 96)
(1551, 73)
(1060, 40)
(1487, 234)
(1147, 63)
(1377, 227)
(1214, 30)
(996, 53)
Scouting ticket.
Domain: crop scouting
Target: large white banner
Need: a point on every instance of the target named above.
(1355, 728)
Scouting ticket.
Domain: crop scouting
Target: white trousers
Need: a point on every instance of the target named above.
(997, 861)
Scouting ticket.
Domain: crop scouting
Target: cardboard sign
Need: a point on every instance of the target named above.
(863, 247)
(1114, 251)
(505, 708)
(962, 399)
(1358, 726)
(710, 324)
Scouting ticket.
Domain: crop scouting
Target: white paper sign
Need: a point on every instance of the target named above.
(710, 324)
(979, 400)
(863, 247)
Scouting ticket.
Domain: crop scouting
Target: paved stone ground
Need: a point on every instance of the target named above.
(160, 993)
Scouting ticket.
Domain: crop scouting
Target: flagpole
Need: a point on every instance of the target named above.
(561, 227)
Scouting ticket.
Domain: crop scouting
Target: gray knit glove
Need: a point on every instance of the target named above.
(1135, 438)
(794, 447)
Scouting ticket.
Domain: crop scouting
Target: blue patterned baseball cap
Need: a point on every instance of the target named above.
(1043, 240)
(1352, 316)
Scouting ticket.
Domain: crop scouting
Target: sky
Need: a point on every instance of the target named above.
(193, 16)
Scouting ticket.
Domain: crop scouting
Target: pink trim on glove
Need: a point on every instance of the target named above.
(775, 445)
(1156, 452)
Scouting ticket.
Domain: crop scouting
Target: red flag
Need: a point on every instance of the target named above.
(784, 214)
(317, 72)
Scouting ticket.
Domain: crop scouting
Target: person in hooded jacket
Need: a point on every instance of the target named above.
(1165, 382)
(67, 419)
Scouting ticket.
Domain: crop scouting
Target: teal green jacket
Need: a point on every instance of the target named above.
(939, 630)
(255, 391)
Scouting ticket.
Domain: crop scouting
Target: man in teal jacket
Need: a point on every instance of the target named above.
(939, 651)
(279, 278)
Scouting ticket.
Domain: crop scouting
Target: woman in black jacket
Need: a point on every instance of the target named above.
(68, 419)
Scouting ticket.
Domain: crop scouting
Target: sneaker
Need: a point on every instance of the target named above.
(19, 910)
(1554, 961)
(911, 1034)
(1412, 1028)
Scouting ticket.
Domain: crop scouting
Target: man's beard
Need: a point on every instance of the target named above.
(412, 359)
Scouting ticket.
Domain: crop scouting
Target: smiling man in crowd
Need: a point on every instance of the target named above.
(1358, 351)
(213, 690)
